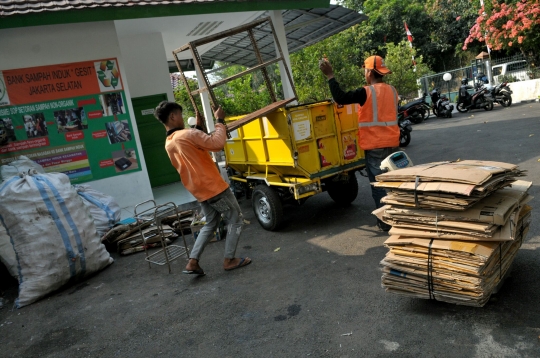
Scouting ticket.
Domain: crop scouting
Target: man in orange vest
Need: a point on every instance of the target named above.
(378, 130)
(188, 151)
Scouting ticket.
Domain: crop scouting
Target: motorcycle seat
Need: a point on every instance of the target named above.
(411, 104)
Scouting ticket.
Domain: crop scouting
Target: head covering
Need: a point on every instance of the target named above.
(192, 121)
(376, 63)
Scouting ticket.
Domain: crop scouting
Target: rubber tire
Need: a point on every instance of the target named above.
(424, 113)
(461, 107)
(404, 140)
(344, 193)
(416, 119)
(267, 207)
(489, 106)
(506, 101)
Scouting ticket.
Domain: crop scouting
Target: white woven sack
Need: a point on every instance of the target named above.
(21, 165)
(103, 208)
(7, 254)
(52, 232)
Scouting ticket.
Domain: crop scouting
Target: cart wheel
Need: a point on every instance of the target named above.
(344, 193)
(267, 207)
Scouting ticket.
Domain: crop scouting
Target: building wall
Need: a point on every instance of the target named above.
(56, 44)
(145, 62)
(525, 90)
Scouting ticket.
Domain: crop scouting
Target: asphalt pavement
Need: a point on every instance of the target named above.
(314, 287)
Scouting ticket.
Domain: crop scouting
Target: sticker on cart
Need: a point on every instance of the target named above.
(231, 151)
(301, 125)
(349, 108)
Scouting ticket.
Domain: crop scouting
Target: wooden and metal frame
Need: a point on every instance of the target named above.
(262, 65)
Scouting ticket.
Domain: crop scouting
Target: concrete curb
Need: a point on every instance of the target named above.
(528, 101)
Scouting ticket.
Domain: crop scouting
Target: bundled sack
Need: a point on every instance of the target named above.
(103, 208)
(7, 254)
(53, 234)
(21, 165)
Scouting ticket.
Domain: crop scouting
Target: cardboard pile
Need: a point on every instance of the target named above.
(454, 238)
(446, 185)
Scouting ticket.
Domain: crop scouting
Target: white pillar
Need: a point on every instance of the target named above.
(207, 108)
(277, 20)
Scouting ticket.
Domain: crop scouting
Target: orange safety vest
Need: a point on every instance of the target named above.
(377, 118)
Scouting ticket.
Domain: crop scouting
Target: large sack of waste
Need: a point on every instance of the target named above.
(52, 232)
(7, 254)
(21, 165)
(103, 208)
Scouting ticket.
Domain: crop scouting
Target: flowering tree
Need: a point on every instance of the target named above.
(509, 24)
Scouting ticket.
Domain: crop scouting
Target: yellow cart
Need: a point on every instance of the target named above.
(293, 153)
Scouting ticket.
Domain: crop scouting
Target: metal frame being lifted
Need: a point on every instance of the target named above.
(209, 87)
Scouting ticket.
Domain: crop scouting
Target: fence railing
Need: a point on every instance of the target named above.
(430, 82)
(510, 69)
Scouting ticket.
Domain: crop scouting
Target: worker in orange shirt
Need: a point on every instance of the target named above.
(188, 151)
(378, 130)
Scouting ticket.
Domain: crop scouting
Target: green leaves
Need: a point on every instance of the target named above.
(404, 74)
(342, 50)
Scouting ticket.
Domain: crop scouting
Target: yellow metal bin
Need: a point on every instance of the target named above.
(293, 153)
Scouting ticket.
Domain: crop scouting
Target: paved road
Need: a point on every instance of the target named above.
(319, 295)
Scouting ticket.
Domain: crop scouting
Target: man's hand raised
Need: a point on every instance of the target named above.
(219, 114)
(326, 68)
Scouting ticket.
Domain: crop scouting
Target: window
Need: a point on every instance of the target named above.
(517, 66)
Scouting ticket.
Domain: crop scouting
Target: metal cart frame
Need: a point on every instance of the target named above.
(155, 215)
(208, 87)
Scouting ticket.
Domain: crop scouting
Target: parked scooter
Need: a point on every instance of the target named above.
(415, 111)
(501, 93)
(405, 129)
(441, 104)
(477, 100)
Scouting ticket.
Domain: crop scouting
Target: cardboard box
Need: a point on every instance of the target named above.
(474, 172)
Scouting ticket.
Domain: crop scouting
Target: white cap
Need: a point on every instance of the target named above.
(192, 121)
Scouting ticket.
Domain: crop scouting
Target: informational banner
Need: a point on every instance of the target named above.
(70, 118)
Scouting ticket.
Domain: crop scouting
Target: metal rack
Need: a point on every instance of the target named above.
(262, 65)
(155, 215)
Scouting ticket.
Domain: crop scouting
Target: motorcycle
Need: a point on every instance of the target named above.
(441, 104)
(405, 129)
(501, 94)
(415, 111)
(477, 100)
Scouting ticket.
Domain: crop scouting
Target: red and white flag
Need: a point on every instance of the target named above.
(409, 35)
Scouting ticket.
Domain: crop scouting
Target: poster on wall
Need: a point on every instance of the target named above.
(70, 118)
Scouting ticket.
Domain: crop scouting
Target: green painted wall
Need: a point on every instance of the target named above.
(145, 11)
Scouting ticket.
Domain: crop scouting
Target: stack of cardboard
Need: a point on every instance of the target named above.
(445, 244)
(446, 185)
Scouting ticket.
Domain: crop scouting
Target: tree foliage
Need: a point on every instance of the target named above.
(311, 85)
(404, 75)
(245, 94)
(439, 28)
(182, 98)
(356, 5)
(507, 25)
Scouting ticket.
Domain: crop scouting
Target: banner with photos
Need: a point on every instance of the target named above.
(70, 118)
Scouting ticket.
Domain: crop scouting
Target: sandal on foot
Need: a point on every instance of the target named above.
(244, 261)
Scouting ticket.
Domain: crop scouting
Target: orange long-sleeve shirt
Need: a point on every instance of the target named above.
(188, 150)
